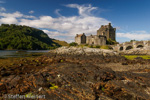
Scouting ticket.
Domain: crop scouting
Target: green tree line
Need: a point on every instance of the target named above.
(24, 38)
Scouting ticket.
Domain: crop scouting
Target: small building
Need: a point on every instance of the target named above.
(103, 34)
(80, 39)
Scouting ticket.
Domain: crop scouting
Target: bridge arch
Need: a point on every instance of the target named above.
(140, 46)
(129, 47)
(121, 48)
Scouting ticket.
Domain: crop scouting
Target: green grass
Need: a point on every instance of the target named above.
(62, 43)
(131, 57)
(105, 47)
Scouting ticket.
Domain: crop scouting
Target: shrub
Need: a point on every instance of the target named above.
(73, 44)
(86, 45)
(91, 46)
(97, 46)
(133, 40)
(111, 42)
(81, 45)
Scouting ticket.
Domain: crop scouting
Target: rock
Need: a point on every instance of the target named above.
(20, 65)
(2, 88)
(79, 74)
(13, 82)
(40, 89)
(124, 63)
(103, 97)
(84, 51)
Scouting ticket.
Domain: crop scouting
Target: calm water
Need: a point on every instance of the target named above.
(15, 53)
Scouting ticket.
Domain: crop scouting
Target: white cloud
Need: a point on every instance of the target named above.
(13, 18)
(66, 27)
(137, 35)
(57, 12)
(16, 14)
(9, 20)
(13, 15)
(63, 27)
(2, 9)
(58, 35)
(31, 12)
(70, 26)
(84, 10)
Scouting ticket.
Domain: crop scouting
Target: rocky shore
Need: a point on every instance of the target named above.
(84, 51)
(70, 73)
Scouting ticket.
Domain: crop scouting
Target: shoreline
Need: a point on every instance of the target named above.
(83, 76)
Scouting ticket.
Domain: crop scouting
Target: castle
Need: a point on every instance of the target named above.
(104, 33)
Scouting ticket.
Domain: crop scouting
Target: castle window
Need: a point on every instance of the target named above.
(103, 33)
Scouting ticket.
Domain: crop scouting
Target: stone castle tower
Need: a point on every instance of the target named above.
(104, 33)
(107, 31)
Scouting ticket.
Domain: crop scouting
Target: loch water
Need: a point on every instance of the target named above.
(18, 53)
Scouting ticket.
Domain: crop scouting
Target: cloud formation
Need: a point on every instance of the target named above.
(13, 18)
(65, 28)
(62, 26)
(57, 12)
(31, 12)
(83, 10)
(137, 35)
(2, 9)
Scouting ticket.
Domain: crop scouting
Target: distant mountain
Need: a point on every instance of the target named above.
(25, 38)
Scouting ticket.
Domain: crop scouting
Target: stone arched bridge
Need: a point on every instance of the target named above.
(131, 45)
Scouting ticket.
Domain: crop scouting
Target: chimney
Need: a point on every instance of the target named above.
(109, 24)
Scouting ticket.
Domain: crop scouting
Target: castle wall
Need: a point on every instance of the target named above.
(88, 39)
(102, 40)
(96, 40)
(78, 40)
(83, 39)
(112, 34)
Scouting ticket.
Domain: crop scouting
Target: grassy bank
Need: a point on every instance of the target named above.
(131, 57)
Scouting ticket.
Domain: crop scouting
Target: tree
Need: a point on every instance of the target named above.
(24, 37)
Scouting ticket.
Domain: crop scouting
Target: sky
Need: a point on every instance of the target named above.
(63, 19)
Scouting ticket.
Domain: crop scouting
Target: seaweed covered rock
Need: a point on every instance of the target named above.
(58, 76)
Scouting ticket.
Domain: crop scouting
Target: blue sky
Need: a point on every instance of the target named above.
(63, 19)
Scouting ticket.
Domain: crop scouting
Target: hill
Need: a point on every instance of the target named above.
(24, 38)
(63, 43)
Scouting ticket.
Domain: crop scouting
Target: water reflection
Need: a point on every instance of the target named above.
(16, 53)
